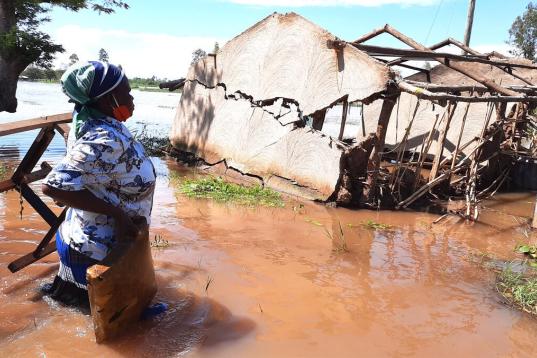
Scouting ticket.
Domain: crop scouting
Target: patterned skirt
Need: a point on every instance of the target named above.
(70, 285)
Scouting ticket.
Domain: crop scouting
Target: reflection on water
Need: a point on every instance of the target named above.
(279, 287)
(269, 282)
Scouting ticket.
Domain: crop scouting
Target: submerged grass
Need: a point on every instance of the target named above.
(373, 225)
(339, 241)
(4, 171)
(518, 289)
(218, 189)
(155, 144)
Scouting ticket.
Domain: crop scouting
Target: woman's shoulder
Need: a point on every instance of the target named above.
(101, 130)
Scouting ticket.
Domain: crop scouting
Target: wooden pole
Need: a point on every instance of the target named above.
(374, 162)
(343, 119)
(469, 24)
(441, 140)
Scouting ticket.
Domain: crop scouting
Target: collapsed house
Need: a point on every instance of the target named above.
(258, 106)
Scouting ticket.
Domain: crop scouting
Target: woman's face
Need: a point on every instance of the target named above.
(123, 96)
(118, 103)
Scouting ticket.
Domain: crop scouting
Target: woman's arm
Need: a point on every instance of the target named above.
(85, 200)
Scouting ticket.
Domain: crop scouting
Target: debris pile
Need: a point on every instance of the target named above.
(257, 108)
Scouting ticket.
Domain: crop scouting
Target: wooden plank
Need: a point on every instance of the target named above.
(33, 155)
(442, 139)
(28, 178)
(35, 123)
(38, 204)
(44, 248)
(426, 94)
(30, 258)
(121, 286)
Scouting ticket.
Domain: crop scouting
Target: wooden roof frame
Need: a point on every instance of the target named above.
(421, 52)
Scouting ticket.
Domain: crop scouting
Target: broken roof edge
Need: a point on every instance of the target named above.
(365, 78)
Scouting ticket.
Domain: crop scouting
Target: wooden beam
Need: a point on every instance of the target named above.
(343, 119)
(374, 162)
(450, 111)
(442, 57)
(45, 247)
(487, 82)
(9, 184)
(371, 35)
(35, 123)
(318, 119)
(466, 88)
(423, 93)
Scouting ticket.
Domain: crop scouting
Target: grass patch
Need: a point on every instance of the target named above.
(519, 290)
(5, 171)
(218, 189)
(373, 225)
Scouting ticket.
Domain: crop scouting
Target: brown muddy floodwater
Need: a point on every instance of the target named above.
(264, 282)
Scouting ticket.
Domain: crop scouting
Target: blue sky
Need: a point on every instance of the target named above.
(157, 37)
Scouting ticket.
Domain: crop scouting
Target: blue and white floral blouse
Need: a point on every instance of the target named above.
(112, 165)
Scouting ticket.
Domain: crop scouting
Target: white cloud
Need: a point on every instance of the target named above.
(309, 3)
(140, 54)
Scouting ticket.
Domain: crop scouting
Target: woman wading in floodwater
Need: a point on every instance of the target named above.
(105, 178)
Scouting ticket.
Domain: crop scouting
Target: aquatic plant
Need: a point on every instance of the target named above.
(155, 144)
(159, 242)
(519, 290)
(339, 241)
(3, 171)
(373, 225)
(218, 189)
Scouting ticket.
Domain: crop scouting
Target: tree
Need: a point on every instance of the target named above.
(103, 55)
(22, 43)
(73, 59)
(198, 55)
(523, 33)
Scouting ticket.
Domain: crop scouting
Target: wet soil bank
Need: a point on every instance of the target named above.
(277, 282)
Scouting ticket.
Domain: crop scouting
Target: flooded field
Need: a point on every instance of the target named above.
(300, 281)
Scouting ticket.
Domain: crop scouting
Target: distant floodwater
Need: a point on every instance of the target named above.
(154, 109)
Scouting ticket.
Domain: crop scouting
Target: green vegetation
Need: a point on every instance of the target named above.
(373, 225)
(519, 290)
(218, 189)
(339, 241)
(523, 33)
(147, 84)
(23, 43)
(4, 171)
(155, 144)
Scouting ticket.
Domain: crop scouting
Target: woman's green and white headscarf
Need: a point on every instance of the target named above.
(84, 83)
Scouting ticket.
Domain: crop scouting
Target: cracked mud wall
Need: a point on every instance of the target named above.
(247, 105)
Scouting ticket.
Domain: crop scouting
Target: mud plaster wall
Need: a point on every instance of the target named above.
(246, 105)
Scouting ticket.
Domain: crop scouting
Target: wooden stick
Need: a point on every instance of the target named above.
(441, 140)
(382, 127)
(423, 93)
(343, 119)
(423, 152)
(404, 140)
(457, 148)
